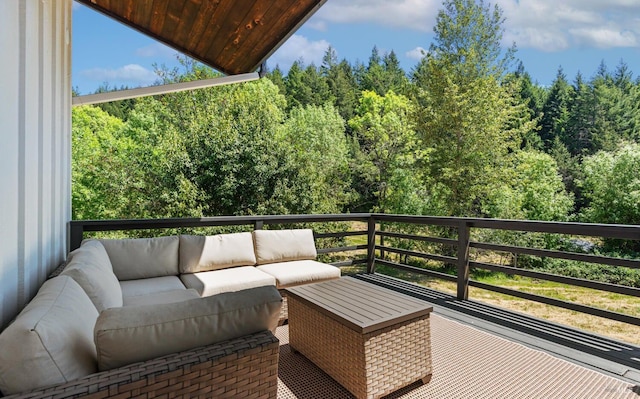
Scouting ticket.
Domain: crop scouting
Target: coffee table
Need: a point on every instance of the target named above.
(370, 339)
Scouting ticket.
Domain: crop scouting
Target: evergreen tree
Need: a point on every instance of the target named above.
(578, 133)
(373, 79)
(297, 92)
(277, 77)
(555, 111)
(533, 96)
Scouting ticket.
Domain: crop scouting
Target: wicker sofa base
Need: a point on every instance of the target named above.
(245, 367)
(368, 365)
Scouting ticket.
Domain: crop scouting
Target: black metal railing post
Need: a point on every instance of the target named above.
(371, 244)
(76, 235)
(463, 260)
(258, 224)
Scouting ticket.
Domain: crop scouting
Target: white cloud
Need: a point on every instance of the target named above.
(604, 37)
(132, 74)
(317, 25)
(550, 25)
(156, 50)
(416, 54)
(296, 48)
(413, 14)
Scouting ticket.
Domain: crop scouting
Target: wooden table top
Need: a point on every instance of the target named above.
(361, 306)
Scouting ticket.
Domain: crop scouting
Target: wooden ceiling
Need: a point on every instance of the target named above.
(232, 36)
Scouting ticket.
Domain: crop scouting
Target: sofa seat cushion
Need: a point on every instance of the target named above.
(138, 333)
(227, 280)
(273, 246)
(289, 274)
(90, 267)
(51, 340)
(205, 253)
(158, 298)
(148, 286)
(136, 258)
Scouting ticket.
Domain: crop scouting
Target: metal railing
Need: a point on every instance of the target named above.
(458, 256)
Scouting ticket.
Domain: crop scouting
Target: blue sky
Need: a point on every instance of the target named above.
(574, 34)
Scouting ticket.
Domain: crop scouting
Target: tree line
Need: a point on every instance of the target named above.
(466, 132)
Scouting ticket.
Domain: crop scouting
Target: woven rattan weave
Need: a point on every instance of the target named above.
(246, 367)
(372, 362)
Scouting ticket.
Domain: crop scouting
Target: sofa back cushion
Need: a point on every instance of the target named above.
(91, 268)
(139, 333)
(135, 258)
(51, 340)
(206, 253)
(284, 245)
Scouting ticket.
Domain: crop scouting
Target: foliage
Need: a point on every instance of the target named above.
(320, 152)
(387, 149)
(468, 115)
(611, 186)
(465, 136)
(536, 190)
(97, 168)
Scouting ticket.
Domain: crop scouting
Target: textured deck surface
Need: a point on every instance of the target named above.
(467, 363)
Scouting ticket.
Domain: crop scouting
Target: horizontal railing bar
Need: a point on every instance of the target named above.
(596, 285)
(438, 258)
(411, 219)
(629, 232)
(341, 249)
(340, 234)
(350, 262)
(435, 240)
(139, 224)
(414, 269)
(559, 303)
(604, 260)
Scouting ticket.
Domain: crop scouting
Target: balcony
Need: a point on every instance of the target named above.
(479, 350)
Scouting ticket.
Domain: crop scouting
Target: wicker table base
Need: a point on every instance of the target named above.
(369, 364)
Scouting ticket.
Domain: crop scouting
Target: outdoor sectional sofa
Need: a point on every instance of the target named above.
(182, 316)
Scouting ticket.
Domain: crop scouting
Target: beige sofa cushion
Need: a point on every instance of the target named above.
(153, 285)
(90, 267)
(157, 298)
(204, 253)
(283, 245)
(131, 334)
(289, 274)
(136, 258)
(227, 280)
(51, 340)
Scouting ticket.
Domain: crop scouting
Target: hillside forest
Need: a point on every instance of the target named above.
(466, 132)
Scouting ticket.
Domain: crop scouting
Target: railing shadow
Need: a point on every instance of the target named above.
(595, 345)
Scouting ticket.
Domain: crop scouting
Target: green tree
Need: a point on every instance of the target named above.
(387, 148)
(320, 153)
(536, 191)
(611, 186)
(96, 164)
(555, 112)
(342, 83)
(383, 73)
(470, 116)
(533, 96)
(277, 77)
(579, 129)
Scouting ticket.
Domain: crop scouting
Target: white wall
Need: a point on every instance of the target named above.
(35, 146)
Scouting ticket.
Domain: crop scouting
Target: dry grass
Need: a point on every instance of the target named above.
(585, 296)
(598, 325)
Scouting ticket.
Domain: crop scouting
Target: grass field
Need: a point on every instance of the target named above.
(604, 300)
(614, 302)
